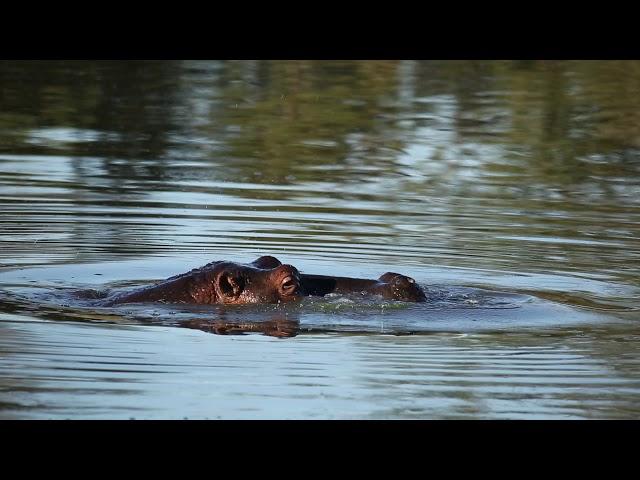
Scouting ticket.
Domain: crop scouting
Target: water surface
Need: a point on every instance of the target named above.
(510, 190)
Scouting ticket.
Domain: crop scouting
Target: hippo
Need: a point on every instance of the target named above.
(265, 280)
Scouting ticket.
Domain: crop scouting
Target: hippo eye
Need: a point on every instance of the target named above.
(289, 283)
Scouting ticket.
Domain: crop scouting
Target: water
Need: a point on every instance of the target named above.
(509, 190)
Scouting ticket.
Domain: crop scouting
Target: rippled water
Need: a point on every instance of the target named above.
(509, 190)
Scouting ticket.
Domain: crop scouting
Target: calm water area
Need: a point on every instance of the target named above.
(510, 190)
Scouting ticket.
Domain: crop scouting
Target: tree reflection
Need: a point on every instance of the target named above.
(277, 119)
(385, 136)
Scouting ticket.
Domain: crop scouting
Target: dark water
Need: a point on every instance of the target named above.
(509, 190)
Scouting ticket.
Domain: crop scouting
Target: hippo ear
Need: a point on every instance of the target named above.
(388, 277)
(230, 285)
(266, 262)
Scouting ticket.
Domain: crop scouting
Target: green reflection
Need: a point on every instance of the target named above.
(527, 166)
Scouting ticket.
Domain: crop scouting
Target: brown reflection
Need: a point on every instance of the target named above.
(279, 325)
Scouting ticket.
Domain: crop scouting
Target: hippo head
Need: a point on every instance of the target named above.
(265, 280)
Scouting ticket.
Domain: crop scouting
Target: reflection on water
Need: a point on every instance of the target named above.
(517, 176)
(448, 309)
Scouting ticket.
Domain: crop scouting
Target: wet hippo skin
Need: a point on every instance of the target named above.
(392, 286)
(266, 280)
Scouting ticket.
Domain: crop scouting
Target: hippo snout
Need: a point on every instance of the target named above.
(401, 287)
